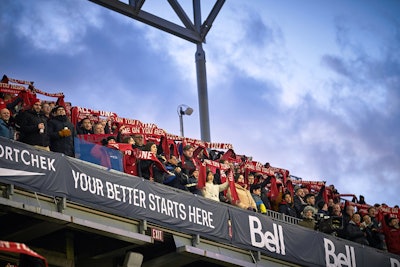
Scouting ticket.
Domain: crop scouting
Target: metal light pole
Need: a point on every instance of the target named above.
(188, 111)
(193, 31)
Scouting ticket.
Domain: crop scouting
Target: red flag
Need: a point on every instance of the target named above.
(201, 181)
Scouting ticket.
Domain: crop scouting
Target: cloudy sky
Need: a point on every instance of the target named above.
(309, 86)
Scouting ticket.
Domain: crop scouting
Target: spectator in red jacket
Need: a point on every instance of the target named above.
(391, 230)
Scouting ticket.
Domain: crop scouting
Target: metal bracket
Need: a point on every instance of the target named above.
(195, 240)
(61, 203)
(256, 255)
(142, 227)
(9, 191)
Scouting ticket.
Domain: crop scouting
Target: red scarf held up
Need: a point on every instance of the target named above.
(232, 187)
(274, 189)
(289, 186)
(201, 181)
(132, 155)
(147, 155)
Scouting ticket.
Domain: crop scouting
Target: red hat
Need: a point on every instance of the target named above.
(35, 100)
(2, 104)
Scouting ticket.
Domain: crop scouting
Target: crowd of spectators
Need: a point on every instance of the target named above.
(43, 125)
(47, 126)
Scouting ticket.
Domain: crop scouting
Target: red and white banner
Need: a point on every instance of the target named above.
(199, 143)
(6, 79)
(11, 88)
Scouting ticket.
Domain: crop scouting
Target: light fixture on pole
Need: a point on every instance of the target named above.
(183, 110)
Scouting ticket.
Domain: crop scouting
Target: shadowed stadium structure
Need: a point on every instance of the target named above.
(81, 211)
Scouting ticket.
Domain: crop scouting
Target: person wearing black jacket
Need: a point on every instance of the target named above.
(354, 232)
(179, 179)
(33, 127)
(262, 182)
(85, 127)
(286, 206)
(149, 169)
(61, 132)
(187, 165)
(298, 199)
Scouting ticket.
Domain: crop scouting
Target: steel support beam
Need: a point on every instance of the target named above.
(182, 14)
(150, 19)
(194, 32)
(210, 19)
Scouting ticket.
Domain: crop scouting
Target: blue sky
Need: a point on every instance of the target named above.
(312, 87)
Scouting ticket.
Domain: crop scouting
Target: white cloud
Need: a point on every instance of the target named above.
(55, 27)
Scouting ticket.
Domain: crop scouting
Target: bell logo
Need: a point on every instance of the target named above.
(273, 241)
(333, 260)
(394, 262)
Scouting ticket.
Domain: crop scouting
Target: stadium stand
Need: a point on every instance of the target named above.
(381, 231)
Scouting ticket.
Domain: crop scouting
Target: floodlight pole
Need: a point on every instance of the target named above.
(194, 32)
(201, 74)
(188, 111)
(202, 94)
